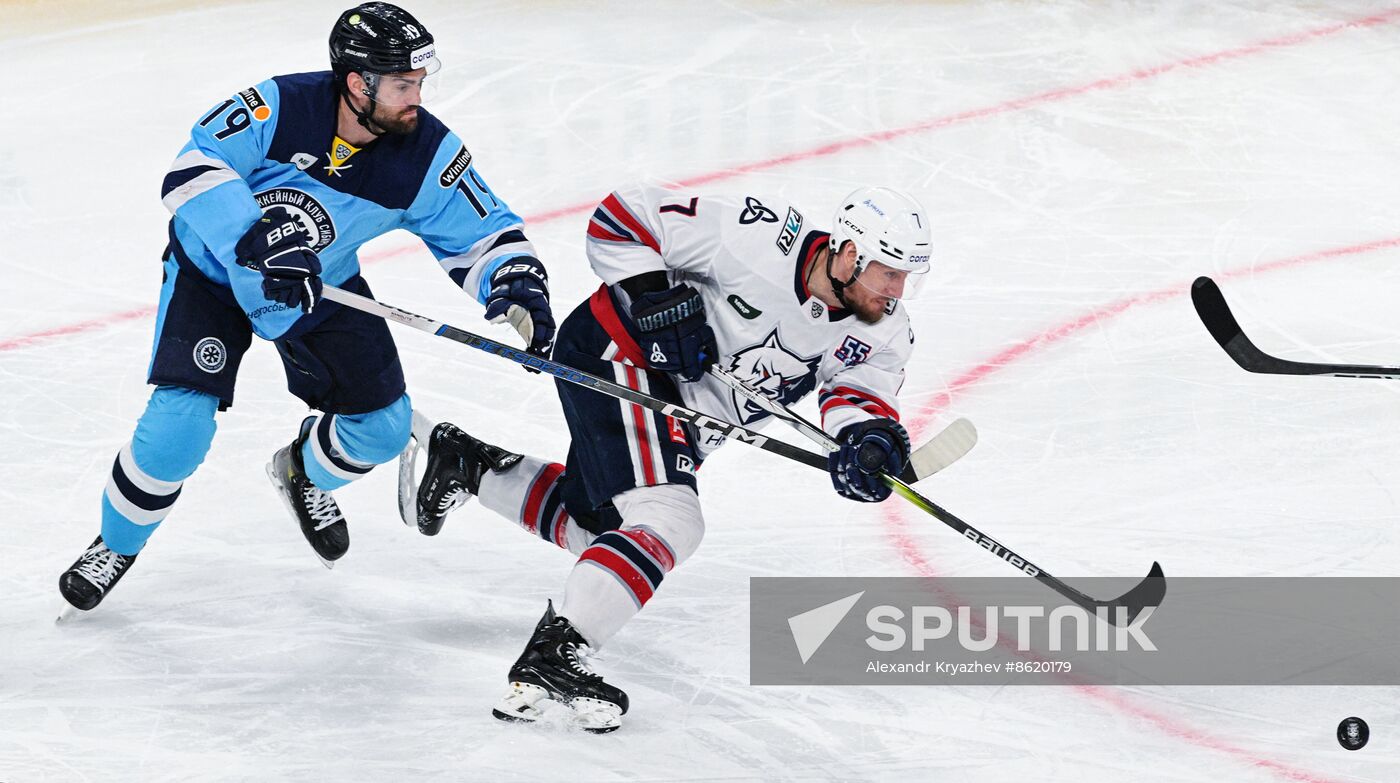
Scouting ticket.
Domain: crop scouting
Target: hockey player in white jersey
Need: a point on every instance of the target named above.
(690, 282)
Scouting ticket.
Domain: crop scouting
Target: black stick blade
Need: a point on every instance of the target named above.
(1214, 312)
(1149, 592)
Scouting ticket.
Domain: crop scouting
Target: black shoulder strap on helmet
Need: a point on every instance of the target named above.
(363, 116)
(838, 287)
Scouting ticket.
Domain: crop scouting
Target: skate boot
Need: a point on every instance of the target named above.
(314, 509)
(553, 667)
(88, 581)
(456, 463)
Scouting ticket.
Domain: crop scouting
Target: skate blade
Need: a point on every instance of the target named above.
(287, 504)
(595, 716)
(408, 483)
(67, 614)
(522, 705)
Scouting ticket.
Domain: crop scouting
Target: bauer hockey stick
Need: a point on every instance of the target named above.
(1215, 314)
(1146, 593)
(572, 375)
(949, 446)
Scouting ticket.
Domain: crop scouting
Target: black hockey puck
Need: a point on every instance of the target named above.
(1353, 733)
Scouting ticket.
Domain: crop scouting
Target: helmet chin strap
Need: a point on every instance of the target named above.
(363, 116)
(838, 287)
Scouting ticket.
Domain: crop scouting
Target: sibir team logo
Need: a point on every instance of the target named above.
(775, 371)
(791, 228)
(754, 211)
(210, 355)
(313, 218)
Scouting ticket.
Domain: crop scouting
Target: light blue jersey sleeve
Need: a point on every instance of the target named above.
(206, 186)
(466, 226)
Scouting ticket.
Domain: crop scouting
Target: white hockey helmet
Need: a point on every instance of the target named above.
(890, 229)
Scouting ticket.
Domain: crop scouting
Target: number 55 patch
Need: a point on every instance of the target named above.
(852, 352)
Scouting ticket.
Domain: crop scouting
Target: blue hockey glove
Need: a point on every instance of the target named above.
(520, 295)
(867, 448)
(675, 336)
(276, 246)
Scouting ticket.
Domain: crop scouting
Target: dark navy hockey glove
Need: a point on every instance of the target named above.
(276, 246)
(520, 295)
(675, 336)
(867, 448)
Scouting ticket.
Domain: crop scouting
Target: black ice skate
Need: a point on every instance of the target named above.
(456, 463)
(314, 509)
(552, 667)
(88, 581)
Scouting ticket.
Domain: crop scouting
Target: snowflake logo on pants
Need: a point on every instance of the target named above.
(209, 355)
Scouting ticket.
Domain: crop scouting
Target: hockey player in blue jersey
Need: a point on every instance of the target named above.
(276, 190)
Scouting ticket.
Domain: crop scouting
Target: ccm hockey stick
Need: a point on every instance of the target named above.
(1146, 593)
(1215, 314)
(567, 373)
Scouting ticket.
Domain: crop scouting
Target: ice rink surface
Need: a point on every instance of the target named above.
(1082, 162)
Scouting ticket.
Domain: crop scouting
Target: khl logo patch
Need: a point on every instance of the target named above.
(209, 355)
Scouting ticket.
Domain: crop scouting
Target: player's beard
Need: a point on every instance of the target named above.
(867, 307)
(397, 122)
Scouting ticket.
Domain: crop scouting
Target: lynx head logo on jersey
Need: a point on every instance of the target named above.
(774, 370)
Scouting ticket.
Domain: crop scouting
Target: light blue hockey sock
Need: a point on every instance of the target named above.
(342, 448)
(170, 441)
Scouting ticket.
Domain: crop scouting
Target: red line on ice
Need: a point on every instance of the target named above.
(897, 521)
(833, 148)
(908, 548)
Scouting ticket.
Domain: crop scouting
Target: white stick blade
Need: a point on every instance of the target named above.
(947, 447)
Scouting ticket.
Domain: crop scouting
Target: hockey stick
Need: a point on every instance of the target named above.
(1215, 314)
(1146, 593)
(945, 448)
(567, 373)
